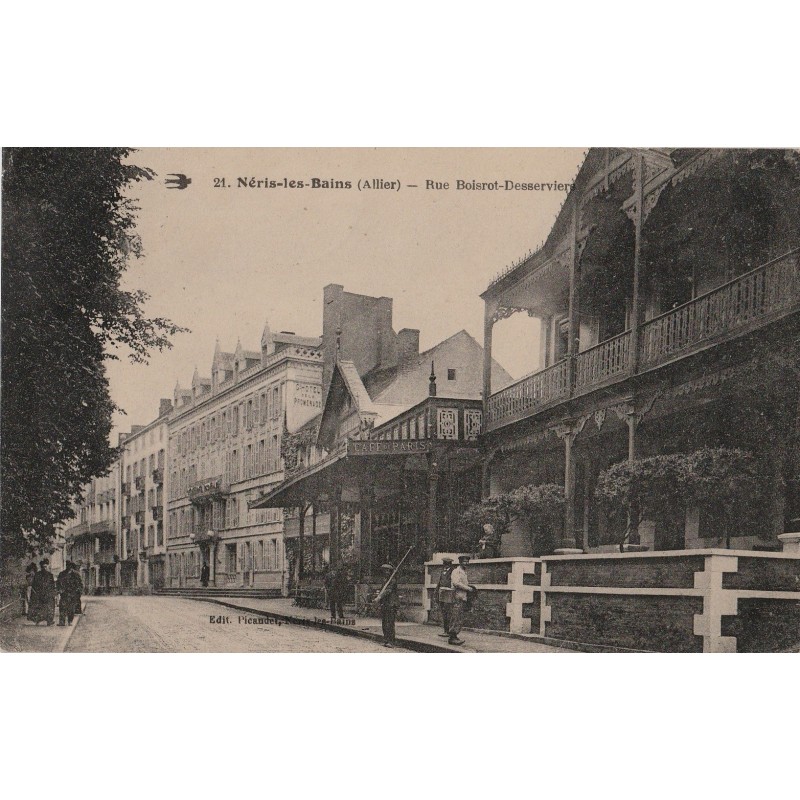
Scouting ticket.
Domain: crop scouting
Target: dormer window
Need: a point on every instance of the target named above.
(451, 374)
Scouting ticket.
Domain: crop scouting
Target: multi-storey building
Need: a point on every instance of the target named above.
(392, 459)
(667, 296)
(225, 437)
(144, 487)
(90, 539)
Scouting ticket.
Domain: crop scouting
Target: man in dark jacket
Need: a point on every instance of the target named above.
(43, 595)
(389, 600)
(70, 587)
(444, 594)
(337, 584)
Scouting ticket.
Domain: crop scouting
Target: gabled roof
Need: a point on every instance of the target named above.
(345, 380)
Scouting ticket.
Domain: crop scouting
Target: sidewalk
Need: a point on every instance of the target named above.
(17, 635)
(411, 635)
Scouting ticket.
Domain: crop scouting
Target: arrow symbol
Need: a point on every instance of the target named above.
(175, 180)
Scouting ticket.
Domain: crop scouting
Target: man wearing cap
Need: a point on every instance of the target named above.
(389, 601)
(444, 594)
(461, 589)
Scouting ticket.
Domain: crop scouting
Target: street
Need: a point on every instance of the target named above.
(124, 624)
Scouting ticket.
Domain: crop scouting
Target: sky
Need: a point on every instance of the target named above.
(223, 260)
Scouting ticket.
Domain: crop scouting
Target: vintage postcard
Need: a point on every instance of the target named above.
(401, 400)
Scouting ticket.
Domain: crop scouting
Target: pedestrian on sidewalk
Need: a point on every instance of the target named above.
(389, 600)
(27, 588)
(70, 587)
(43, 595)
(205, 574)
(337, 584)
(461, 591)
(444, 594)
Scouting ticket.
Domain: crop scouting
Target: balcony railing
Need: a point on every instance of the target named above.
(603, 362)
(738, 306)
(529, 394)
(208, 489)
(105, 526)
(103, 557)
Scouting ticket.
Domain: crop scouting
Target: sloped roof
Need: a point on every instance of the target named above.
(301, 341)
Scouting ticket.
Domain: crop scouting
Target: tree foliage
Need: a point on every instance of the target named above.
(539, 508)
(719, 479)
(68, 235)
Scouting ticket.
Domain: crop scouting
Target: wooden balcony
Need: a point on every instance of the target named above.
(739, 306)
(745, 303)
(529, 395)
(604, 363)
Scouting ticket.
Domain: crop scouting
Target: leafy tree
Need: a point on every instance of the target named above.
(68, 234)
(720, 479)
(539, 507)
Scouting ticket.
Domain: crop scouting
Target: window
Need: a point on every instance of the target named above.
(276, 402)
(451, 374)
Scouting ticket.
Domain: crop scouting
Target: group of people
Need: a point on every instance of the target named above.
(42, 591)
(454, 594)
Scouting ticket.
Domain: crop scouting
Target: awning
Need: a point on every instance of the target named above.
(357, 459)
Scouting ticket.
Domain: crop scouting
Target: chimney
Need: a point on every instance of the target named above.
(164, 406)
(408, 344)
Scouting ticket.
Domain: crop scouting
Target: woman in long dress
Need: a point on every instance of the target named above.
(43, 595)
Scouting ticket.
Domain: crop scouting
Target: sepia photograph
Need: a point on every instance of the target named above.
(333, 334)
(408, 400)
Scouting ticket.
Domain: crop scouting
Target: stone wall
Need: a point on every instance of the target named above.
(709, 600)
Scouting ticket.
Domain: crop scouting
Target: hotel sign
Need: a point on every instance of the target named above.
(381, 447)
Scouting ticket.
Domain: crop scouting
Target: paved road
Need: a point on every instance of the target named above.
(175, 625)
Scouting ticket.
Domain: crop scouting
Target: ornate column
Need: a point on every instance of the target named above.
(301, 510)
(488, 324)
(433, 503)
(567, 431)
(638, 221)
(367, 493)
(335, 526)
(574, 301)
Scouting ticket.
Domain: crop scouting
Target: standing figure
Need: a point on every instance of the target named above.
(70, 587)
(205, 574)
(336, 584)
(389, 600)
(461, 590)
(25, 591)
(43, 595)
(444, 594)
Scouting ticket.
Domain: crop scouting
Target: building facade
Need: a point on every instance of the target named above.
(667, 295)
(144, 486)
(393, 458)
(225, 436)
(90, 539)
